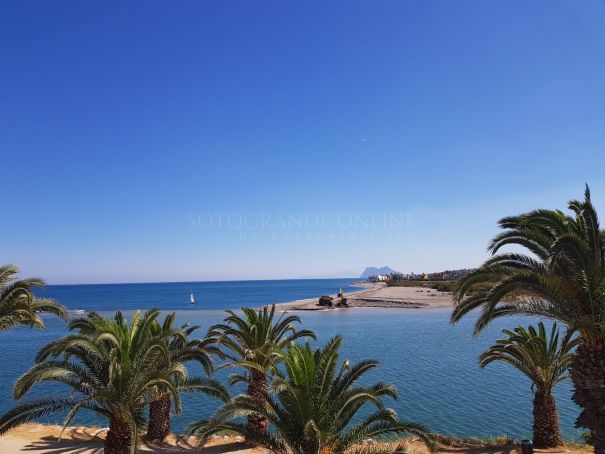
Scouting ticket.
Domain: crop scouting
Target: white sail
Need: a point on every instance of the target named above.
(191, 298)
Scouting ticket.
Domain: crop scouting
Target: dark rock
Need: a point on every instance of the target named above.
(342, 303)
(325, 301)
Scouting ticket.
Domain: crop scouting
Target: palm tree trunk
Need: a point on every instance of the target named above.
(588, 376)
(159, 419)
(546, 422)
(257, 390)
(119, 438)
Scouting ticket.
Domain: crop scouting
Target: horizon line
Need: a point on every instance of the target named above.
(209, 281)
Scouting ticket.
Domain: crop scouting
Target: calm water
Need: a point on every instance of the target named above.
(432, 364)
(209, 295)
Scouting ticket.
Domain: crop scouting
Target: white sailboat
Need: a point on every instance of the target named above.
(191, 299)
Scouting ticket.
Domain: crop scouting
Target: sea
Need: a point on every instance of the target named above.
(432, 363)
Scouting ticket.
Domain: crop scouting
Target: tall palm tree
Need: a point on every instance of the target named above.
(562, 277)
(254, 341)
(545, 361)
(18, 305)
(313, 406)
(112, 372)
(181, 349)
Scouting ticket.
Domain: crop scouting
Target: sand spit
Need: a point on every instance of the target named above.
(379, 295)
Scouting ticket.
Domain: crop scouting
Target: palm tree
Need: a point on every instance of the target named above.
(112, 372)
(181, 348)
(545, 361)
(562, 278)
(18, 305)
(313, 406)
(254, 342)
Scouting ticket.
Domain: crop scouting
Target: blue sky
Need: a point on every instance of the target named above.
(166, 141)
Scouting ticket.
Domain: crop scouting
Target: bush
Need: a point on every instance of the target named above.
(587, 438)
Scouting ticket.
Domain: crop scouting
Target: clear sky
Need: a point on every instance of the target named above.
(204, 140)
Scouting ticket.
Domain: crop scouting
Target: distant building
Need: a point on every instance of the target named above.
(379, 278)
(441, 276)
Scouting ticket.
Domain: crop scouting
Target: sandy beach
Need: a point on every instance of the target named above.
(379, 295)
(42, 439)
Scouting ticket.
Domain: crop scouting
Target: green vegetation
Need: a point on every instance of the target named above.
(181, 348)
(255, 342)
(114, 368)
(453, 441)
(119, 369)
(562, 277)
(18, 305)
(587, 438)
(442, 286)
(450, 286)
(312, 405)
(545, 361)
(111, 373)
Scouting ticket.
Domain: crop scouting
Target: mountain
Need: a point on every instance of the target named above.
(372, 270)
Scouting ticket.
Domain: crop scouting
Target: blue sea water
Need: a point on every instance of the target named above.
(209, 295)
(432, 363)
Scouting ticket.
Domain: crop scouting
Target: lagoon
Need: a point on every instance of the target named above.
(432, 363)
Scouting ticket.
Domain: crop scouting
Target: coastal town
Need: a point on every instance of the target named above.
(393, 290)
(440, 276)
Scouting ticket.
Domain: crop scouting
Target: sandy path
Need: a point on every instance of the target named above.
(42, 439)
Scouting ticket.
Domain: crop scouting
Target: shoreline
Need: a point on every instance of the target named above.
(377, 295)
(36, 438)
(368, 296)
